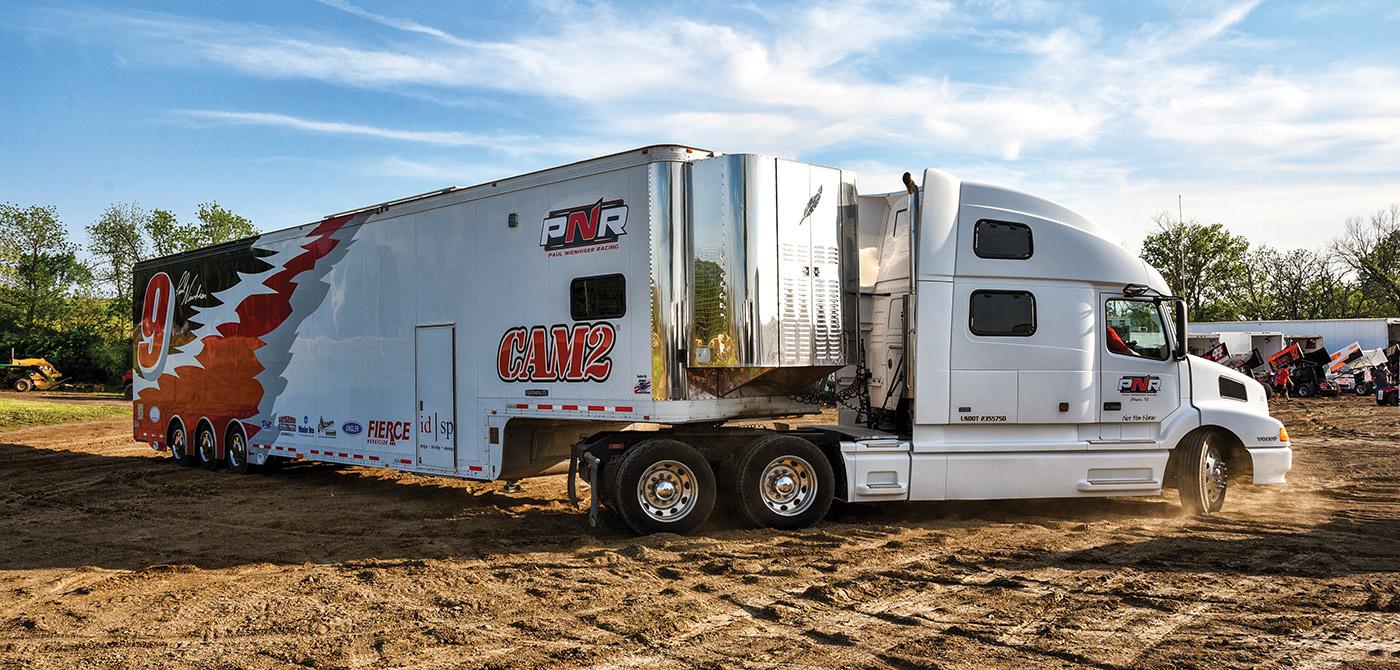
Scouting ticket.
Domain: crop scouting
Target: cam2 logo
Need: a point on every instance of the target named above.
(559, 353)
(157, 323)
(584, 226)
(1139, 385)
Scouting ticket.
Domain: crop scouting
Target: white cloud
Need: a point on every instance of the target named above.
(499, 142)
(1114, 121)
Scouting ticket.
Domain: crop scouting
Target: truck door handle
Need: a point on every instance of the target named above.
(1113, 406)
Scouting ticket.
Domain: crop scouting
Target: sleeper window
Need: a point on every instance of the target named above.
(1002, 239)
(595, 298)
(1135, 328)
(1002, 314)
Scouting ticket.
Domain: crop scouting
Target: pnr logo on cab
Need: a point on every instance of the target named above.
(1139, 385)
(584, 226)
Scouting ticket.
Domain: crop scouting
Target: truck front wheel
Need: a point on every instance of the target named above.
(1202, 476)
(662, 485)
(782, 481)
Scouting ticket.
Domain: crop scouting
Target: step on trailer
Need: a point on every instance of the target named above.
(607, 318)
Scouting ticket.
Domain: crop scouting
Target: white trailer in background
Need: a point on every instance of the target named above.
(1374, 333)
(609, 317)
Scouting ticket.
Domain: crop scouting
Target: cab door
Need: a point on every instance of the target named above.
(1140, 382)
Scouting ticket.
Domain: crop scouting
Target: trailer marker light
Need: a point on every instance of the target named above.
(405, 461)
(474, 468)
(373, 458)
(546, 406)
(1282, 434)
(522, 406)
(345, 455)
(596, 408)
(569, 408)
(624, 409)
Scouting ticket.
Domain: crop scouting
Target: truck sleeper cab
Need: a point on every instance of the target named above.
(608, 318)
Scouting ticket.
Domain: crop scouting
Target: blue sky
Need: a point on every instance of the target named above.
(1279, 119)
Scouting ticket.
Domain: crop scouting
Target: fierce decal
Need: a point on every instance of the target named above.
(157, 319)
(558, 353)
(388, 433)
(599, 223)
(1139, 385)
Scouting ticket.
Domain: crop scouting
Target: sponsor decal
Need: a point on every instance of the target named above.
(286, 424)
(598, 226)
(304, 428)
(433, 425)
(157, 320)
(558, 353)
(140, 411)
(267, 424)
(352, 428)
(325, 427)
(643, 385)
(1139, 385)
(155, 413)
(387, 433)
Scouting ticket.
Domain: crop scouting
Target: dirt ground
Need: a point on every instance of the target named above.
(111, 557)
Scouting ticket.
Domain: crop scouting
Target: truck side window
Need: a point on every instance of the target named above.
(1134, 328)
(1002, 314)
(596, 298)
(1002, 239)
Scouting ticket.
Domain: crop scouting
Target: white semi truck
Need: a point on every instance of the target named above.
(612, 317)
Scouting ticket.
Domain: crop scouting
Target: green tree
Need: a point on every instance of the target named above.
(1202, 263)
(218, 225)
(116, 244)
(40, 264)
(1370, 251)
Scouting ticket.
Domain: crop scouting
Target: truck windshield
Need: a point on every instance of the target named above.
(1135, 328)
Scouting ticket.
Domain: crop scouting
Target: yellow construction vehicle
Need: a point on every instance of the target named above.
(26, 374)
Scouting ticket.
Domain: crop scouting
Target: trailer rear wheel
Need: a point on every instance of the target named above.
(178, 447)
(662, 486)
(1202, 477)
(236, 449)
(206, 448)
(782, 481)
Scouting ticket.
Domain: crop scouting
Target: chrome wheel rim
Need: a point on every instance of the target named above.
(1215, 475)
(206, 447)
(788, 485)
(235, 451)
(667, 490)
(177, 445)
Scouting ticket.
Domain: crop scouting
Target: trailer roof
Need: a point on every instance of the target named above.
(647, 154)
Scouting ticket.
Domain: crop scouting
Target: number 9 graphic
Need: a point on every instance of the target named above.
(157, 318)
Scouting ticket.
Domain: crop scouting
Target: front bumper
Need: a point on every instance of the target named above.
(1271, 464)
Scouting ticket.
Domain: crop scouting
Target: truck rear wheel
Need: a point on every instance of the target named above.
(1201, 475)
(782, 481)
(206, 448)
(662, 486)
(24, 384)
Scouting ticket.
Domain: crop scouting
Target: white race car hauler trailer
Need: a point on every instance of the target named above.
(608, 316)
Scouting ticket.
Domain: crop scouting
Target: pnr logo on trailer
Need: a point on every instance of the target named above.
(157, 320)
(593, 225)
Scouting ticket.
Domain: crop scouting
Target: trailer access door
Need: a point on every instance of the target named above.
(436, 370)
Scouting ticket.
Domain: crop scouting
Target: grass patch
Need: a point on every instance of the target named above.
(24, 413)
